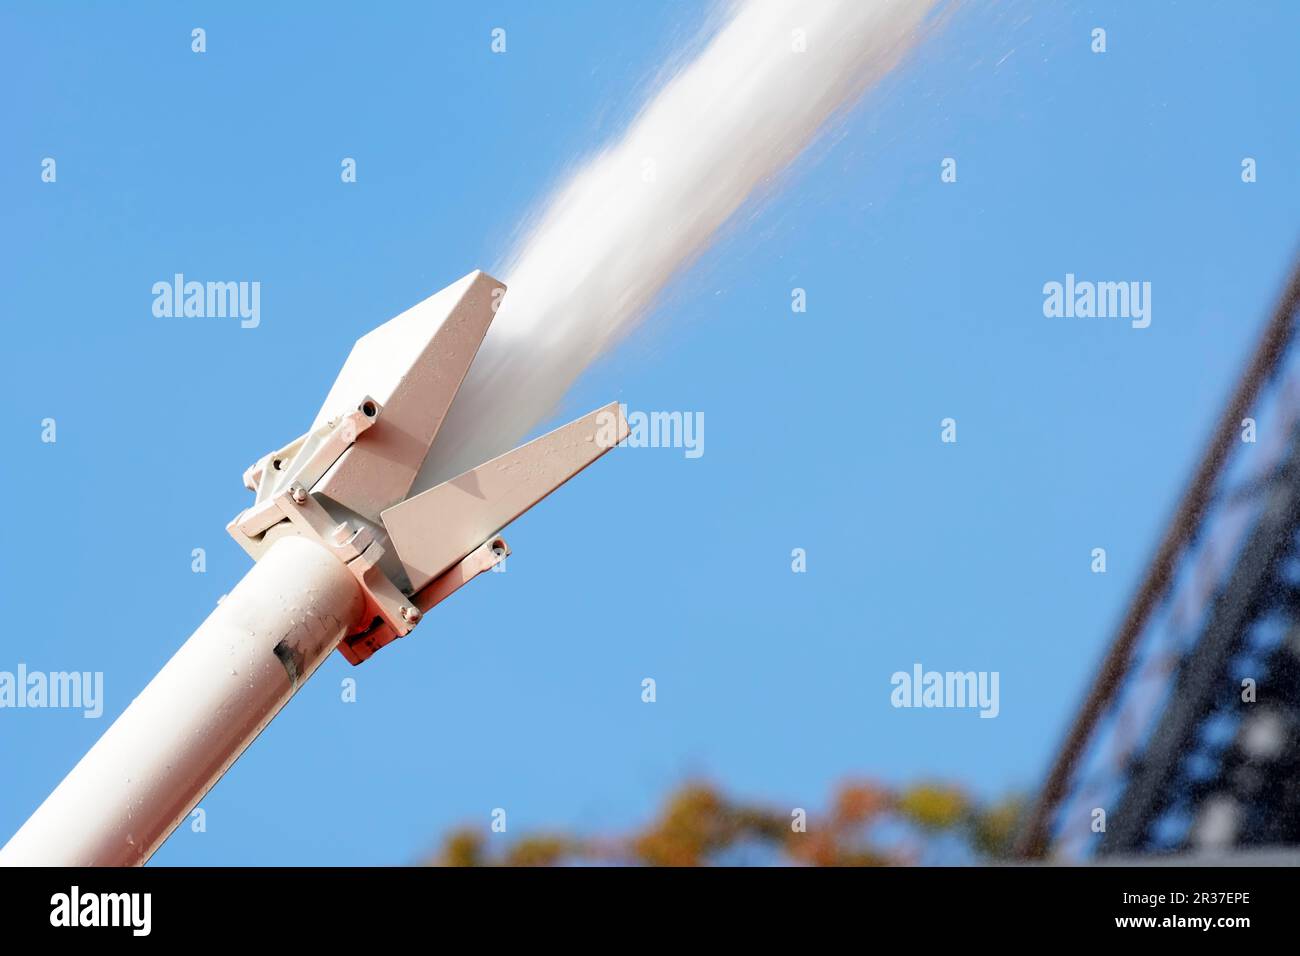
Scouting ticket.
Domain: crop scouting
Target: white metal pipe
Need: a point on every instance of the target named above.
(194, 719)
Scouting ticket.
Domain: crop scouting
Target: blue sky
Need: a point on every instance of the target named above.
(822, 429)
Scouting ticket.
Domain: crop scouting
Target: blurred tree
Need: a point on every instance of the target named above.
(866, 824)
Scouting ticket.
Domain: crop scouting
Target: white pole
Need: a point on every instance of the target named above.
(194, 719)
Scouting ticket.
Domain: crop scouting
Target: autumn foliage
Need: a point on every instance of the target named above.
(865, 824)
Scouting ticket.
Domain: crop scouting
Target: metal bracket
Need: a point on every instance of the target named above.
(358, 549)
(300, 463)
(308, 457)
(286, 505)
(359, 647)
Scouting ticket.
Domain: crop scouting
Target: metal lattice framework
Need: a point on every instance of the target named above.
(1189, 737)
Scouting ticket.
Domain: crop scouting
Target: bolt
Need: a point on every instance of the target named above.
(410, 615)
(299, 494)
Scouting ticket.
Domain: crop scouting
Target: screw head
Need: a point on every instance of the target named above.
(298, 493)
(411, 615)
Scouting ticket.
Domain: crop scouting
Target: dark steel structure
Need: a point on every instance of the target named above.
(1189, 738)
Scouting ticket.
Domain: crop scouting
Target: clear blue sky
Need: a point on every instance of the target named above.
(822, 429)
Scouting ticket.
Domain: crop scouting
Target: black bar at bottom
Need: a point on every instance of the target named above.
(339, 906)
